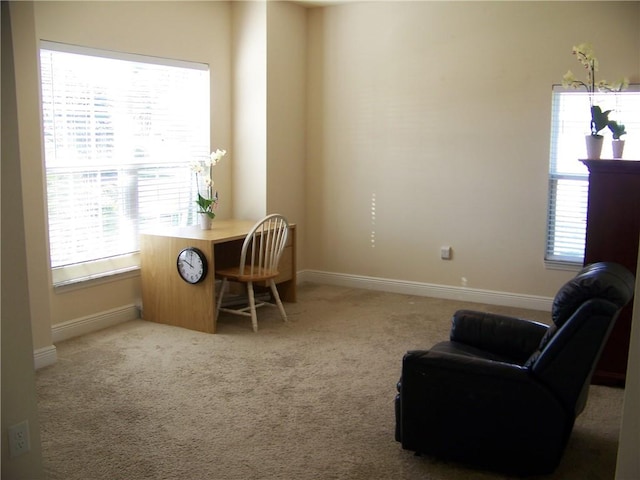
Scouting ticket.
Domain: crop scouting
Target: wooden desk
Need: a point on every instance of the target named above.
(167, 299)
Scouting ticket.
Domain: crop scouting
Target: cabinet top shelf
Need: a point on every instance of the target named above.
(612, 166)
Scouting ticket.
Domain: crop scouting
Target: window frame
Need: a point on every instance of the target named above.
(126, 262)
(566, 135)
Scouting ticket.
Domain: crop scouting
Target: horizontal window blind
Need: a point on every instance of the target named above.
(568, 177)
(119, 133)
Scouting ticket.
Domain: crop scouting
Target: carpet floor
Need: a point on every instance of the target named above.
(308, 399)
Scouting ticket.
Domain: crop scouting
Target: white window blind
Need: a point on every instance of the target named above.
(119, 133)
(568, 177)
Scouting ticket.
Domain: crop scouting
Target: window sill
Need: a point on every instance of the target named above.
(97, 279)
(563, 265)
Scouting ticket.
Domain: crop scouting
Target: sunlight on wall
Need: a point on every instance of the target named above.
(373, 220)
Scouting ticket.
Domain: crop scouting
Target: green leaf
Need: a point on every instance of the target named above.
(204, 203)
(617, 129)
(599, 119)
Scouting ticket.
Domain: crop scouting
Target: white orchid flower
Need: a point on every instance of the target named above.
(568, 79)
(216, 156)
(204, 180)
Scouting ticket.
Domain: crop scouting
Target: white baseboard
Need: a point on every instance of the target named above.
(81, 326)
(464, 294)
(43, 357)
(46, 356)
(91, 323)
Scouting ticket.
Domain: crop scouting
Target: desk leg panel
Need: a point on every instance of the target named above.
(168, 299)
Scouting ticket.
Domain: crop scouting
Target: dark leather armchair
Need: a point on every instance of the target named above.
(503, 393)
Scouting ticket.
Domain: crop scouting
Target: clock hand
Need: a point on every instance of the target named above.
(184, 259)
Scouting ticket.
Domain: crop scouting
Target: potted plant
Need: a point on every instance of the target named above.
(617, 145)
(204, 180)
(599, 118)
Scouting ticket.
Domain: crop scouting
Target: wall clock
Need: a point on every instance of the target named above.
(192, 265)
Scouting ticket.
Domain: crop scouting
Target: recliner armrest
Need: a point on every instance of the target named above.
(511, 337)
(475, 368)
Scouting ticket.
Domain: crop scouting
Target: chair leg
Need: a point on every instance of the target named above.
(220, 295)
(274, 291)
(252, 306)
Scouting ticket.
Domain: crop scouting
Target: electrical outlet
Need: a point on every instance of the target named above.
(19, 439)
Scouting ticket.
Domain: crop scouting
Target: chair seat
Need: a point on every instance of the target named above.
(233, 273)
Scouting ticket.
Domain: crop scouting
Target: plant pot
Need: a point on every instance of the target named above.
(617, 146)
(205, 221)
(594, 146)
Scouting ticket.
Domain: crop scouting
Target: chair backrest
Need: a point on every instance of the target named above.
(607, 280)
(584, 312)
(263, 246)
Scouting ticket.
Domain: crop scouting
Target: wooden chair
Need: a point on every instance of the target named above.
(259, 259)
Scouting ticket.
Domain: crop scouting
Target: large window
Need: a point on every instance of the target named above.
(568, 177)
(119, 133)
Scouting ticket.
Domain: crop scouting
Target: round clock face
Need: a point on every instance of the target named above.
(192, 265)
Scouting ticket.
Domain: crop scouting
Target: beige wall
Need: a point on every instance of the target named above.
(18, 376)
(30, 147)
(249, 109)
(440, 113)
(286, 115)
(269, 59)
(628, 461)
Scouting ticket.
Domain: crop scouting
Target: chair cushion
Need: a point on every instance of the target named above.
(509, 337)
(605, 280)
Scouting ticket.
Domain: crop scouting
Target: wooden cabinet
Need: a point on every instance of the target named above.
(613, 229)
